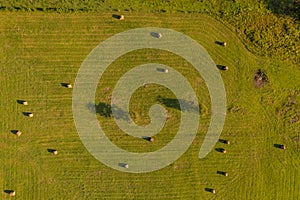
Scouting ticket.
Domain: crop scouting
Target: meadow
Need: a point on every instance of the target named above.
(41, 50)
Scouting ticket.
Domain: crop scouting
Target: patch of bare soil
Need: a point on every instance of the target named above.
(260, 79)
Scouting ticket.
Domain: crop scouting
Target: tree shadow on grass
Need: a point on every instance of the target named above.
(106, 110)
(175, 103)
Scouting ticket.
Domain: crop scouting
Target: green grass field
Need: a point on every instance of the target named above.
(39, 51)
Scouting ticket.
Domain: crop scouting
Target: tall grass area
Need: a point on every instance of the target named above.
(39, 51)
(269, 27)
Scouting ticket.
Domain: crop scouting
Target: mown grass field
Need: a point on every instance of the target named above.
(39, 51)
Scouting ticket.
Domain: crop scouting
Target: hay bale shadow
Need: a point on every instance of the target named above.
(122, 165)
(279, 146)
(211, 190)
(162, 70)
(66, 85)
(116, 16)
(27, 114)
(224, 141)
(220, 43)
(222, 173)
(8, 191)
(156, 35)
(21, 101)
(221, 150)
(51, 150)
(14, 131)
(147, 138)
(222, 67)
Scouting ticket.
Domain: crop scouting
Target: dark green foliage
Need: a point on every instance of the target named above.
(271, 26)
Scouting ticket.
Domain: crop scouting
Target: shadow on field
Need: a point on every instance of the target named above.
(116, 16)
(222, 67)
(280, 146)
(209, 190)
(64, 84)
(20, 101)
(102, 109)
(51, 150)
(222, 173)
(175, 103)
(147, 138)
(285, 7)
(219, 43)
(122, 165)
(224, 141)
(221, 150)
(106, 110)
(14, 131)
(156, 35)
(8, 191)
(27, 114)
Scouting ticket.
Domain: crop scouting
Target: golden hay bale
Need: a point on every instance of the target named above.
(12, 193)
(121, 17)
(30, 114)
(25, 103)
(224, 44)
(55, 152)
(18, 133)
(69, 86)
(151, 139)
(126, 166)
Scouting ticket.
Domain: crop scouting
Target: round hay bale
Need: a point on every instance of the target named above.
(126, 166)
(12, 193)
(18, 133)
(69, 86)
(30, 114)
(121, 17)
(151, 139)
(55, 152)
(225, 174)
(25, 103)
(224, 44)
(223, 150)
